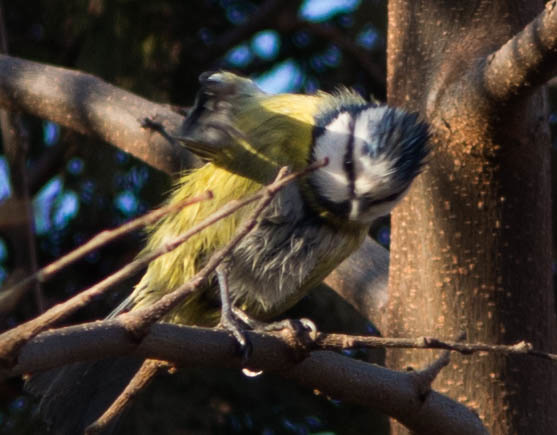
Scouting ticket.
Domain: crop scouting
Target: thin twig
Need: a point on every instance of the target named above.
(138, 321)
(103, 238)
(340, 341)
(149, 369)
(16, 150)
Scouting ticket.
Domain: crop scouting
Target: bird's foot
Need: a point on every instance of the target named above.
(236, 326)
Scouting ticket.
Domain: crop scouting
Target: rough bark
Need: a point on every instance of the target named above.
(471, 245)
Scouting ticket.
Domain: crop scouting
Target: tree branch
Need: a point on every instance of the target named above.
(405, 396)
(91, 106)
(394, 393)
(362, 280)
(526, 61)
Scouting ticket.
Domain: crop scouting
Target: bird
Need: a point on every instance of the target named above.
(245, 136)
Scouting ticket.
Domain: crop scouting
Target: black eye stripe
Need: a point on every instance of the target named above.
(348, 160)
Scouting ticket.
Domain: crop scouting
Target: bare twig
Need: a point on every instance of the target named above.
(525, 62)
(137, 322)
(142, 379)
(340, 341)
(101, 239)
(22, 230)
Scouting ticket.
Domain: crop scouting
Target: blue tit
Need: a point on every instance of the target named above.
(246, 136)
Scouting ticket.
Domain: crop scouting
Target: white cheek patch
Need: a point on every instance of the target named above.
(367, 120)
(370, 174)
(371, 169)
(332, 180)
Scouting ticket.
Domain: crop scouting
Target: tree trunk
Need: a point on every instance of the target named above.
(471, 244)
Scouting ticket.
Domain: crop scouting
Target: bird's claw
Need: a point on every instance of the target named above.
(234, 326)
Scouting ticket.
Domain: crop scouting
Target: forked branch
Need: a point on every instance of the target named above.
(526, 61)
(395, 393)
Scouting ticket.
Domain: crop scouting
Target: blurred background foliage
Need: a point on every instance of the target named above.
(81, 186)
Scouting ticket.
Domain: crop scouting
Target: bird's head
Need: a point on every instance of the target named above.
(374, 154)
